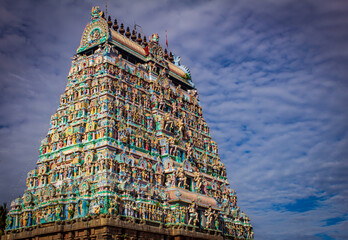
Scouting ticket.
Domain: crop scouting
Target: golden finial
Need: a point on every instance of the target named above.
(109, 22)
(171, 58)
(144, 42)
(139, 40)
(133, 37)
(128, 34)
(122, 29)
(115, 27)
(165, 54)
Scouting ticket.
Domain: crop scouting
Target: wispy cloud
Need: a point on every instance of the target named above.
(272, 80)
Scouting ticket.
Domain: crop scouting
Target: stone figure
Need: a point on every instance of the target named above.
(193, 214)
(209, 214)
(71, 211)
(182, 177)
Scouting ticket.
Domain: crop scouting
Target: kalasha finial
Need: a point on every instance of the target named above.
(115, 27)
(122, 29)
(165, 54)
(171, 58)
(139, 40)
(144, 42)
(128, 34)
(109, 22)
(133, 37)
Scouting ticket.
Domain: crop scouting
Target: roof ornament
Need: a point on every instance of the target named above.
(96, 13)
(171, 58)
(134, 36)
(122, 29)
(154, 38)
(128, 34)
(154, 48)
(139, 40)
(115, 27)
(144, 41)
(177, 60)
(96, 32)
(109, 22)
(165, 54)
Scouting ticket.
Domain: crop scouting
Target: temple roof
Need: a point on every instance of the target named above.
(99, 31)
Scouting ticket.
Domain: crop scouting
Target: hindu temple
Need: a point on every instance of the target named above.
(128, 154)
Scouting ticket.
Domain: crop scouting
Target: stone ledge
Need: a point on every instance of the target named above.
(107, 227)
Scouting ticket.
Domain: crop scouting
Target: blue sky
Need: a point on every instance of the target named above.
(272, 80)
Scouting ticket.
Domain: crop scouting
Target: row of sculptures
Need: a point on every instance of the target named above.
(142, 169)
(28, 214)
(187, 131)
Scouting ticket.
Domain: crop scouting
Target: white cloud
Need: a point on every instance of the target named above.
(272, 82)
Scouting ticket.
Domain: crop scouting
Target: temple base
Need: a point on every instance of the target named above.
(109, 227)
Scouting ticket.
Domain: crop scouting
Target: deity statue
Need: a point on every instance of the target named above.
(189, 150)
(209, 214)
(114, 206)
(71, 211)
(182, 177)
(198, 181)
(9, 222)
(161, 102)
(193, 214)
(172, 146)
(167, 122)
(25, 219)
(60, 214)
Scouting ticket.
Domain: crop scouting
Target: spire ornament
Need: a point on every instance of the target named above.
(115, 27)
(109, 22)
(122, 29)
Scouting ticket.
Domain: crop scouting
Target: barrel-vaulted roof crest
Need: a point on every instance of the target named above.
(96, 32)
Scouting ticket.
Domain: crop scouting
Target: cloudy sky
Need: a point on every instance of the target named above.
(272, 79)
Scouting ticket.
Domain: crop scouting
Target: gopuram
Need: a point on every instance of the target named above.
(128, 154)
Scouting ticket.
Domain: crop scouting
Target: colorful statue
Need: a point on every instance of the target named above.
(209, 214)
(193, 214)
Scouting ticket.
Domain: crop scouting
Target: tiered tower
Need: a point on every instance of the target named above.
(128, 154)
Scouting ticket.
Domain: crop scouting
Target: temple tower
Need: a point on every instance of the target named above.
(128, 154)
